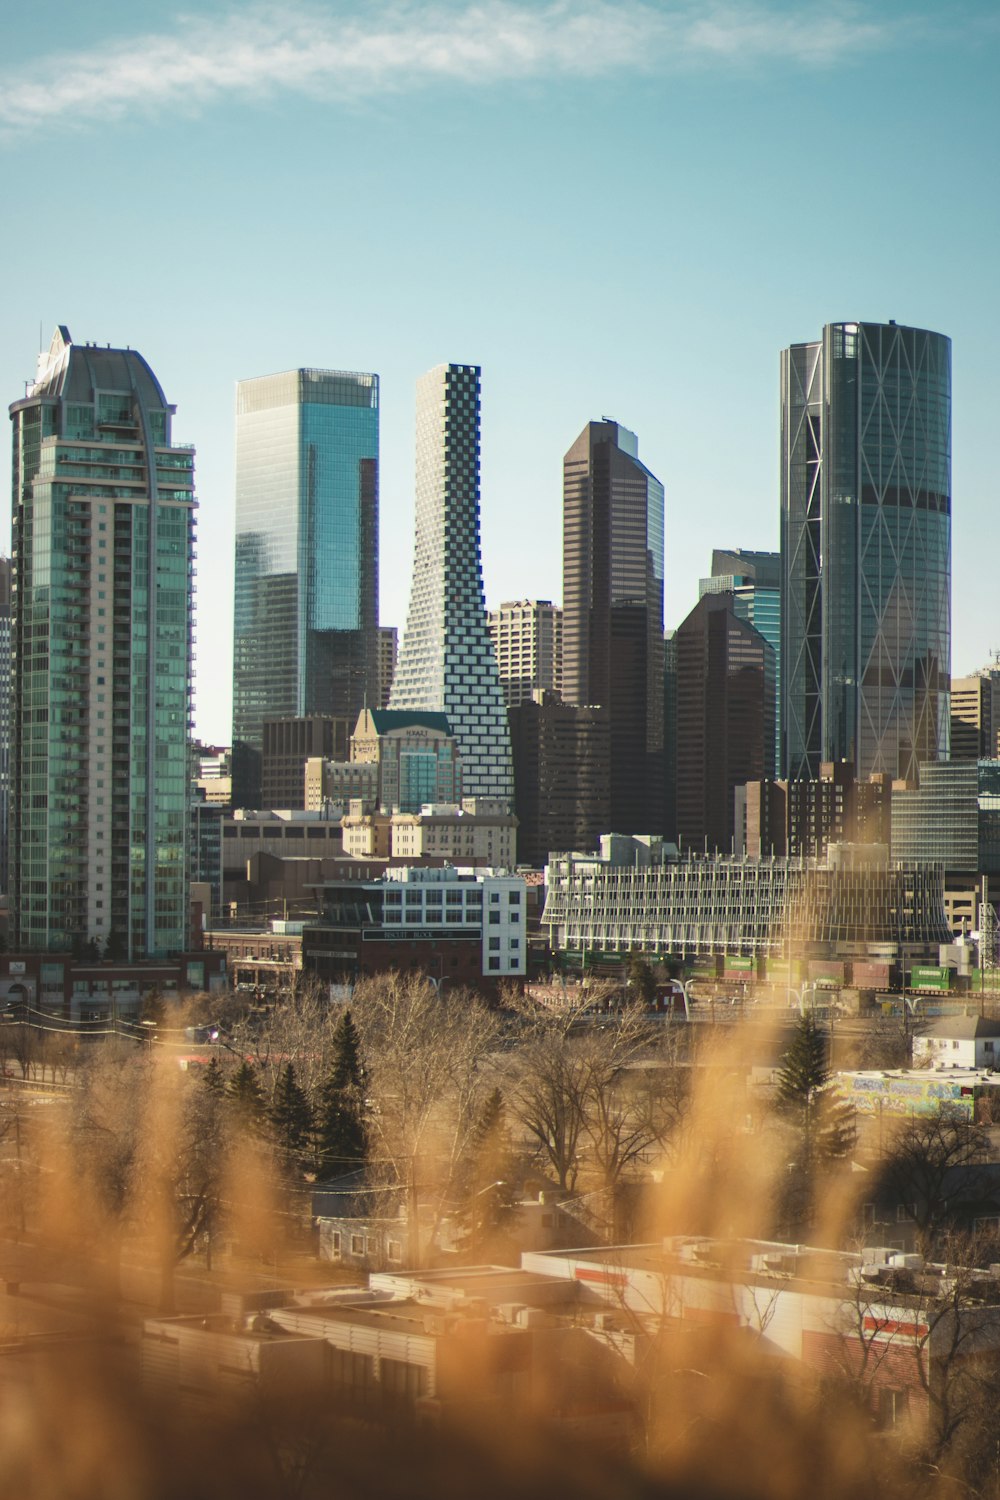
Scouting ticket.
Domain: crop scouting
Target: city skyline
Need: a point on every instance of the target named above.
(394, 264)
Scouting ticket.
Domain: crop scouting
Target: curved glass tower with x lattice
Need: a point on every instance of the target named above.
(866, 549)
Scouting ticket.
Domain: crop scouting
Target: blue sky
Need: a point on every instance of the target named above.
(620, 209)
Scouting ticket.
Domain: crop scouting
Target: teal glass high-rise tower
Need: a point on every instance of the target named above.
(306, 593)
(103, 532)
(866, 550)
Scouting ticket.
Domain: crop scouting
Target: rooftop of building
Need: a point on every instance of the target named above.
(392, 720)
(963, 1028)
(76, 372)
(873, 1271)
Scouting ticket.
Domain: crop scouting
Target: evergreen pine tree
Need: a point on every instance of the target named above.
(213, 1078)
(290, 1113)
(340, 1132)
(803, 1067)
(244, 1093)
(826, 1123)
(153, 1008)
(347, 1070)
(487, 1180)
(641, 980)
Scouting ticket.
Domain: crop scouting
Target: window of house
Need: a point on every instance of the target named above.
(905, 1212)
(395, 1250)
(357, 1244)
(335, 1243)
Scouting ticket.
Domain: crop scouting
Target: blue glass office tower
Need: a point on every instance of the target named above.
(103, 546)
(306, 595)
(866, 549)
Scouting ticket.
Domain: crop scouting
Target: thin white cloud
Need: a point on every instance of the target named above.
(395, 45)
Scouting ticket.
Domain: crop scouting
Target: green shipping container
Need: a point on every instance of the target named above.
(930, 977)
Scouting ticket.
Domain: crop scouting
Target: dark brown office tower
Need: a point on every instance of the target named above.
(803, 818)
(613, 612)
(287, 744)
(725, 719)
(562, 756)
(765, 810)
(972, 719)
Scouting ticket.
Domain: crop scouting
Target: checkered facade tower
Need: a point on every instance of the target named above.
(447, 662)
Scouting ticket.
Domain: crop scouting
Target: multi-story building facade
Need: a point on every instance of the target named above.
(399, 761)
(388, 650)
(754, 581)
(480, 830)
(5, 684)
(527, 639)
(562, 761)
(952, 817)
(806, 817)
(972, 718)
(446, 662)
(306, 590)
(613, 610)
(853, 905)
(288, 745)
(866, 549)
(103, 546)
(725, 719)
(458, 925)
(670, 734)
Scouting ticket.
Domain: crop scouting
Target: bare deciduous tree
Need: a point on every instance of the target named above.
(575, 1088)
(936, 1166)
(424, 1053)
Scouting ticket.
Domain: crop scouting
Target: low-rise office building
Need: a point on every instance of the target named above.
(455, 925)
(634, 897)
(481, 830)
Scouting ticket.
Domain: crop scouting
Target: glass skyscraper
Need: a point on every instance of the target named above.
(446, 662)
(306, 593)
(613, 612)
(866, 549)
(103, 531)
(754, 580)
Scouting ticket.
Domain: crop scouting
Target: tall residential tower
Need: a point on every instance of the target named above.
(103, 530)
(306, 597)
(446, 662)
(613, 611)
(866, 549)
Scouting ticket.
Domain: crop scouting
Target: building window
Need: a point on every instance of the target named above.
(494, 919)
(494, 944)
(357, 1244)
(395, 1250)
(335, 1243)
(905, 1212)
(494, 963)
